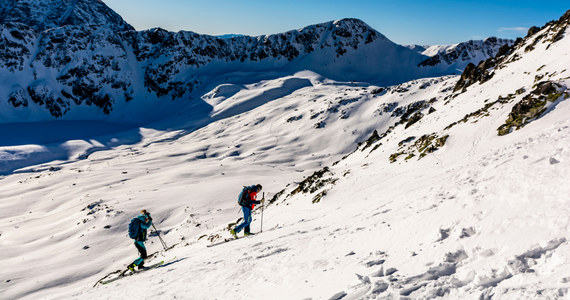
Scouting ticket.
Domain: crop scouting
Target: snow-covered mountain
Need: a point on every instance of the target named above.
(458, 56)
(78, 60)
(450, 187)
(47, 14)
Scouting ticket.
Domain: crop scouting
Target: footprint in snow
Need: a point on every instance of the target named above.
(375, 262)
(467, 232)
(455, 257)
(554, 161)
(379, 273)
(338, 296)
(380, 287)
(274, 252)
(443, 234)
(390, 271)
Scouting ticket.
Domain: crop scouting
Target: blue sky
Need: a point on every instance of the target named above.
(425, 22)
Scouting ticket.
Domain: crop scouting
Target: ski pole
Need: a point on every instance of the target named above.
(262, 205)
(160, 238)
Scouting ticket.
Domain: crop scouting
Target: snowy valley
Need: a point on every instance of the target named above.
(388, 174)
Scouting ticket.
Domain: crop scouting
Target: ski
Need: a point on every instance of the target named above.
(130, 273)
(127, 272)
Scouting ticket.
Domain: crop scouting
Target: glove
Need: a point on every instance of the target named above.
(149, 217)
(262, 200)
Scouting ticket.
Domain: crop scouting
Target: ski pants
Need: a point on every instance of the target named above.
(142, 250)
(246, 219)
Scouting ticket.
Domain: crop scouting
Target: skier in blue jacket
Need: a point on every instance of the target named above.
(248, 199)
(145, 221)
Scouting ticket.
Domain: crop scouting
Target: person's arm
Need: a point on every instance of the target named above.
(253, 197)
(146, 221)
(254, 201)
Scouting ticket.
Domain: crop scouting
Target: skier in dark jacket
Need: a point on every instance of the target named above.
(247, 205)
(145, 221)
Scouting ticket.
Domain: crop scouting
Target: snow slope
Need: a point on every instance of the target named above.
(432, 203)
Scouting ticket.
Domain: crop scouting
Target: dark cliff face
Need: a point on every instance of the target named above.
(202, 49)
(166, 55)
(45, 14)
(99, 65)
(63, 66)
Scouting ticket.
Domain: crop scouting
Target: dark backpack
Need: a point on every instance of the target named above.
(135, 228)
(244, 198)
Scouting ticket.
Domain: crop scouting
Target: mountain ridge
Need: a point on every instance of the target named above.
(460, 54)
(83, 71)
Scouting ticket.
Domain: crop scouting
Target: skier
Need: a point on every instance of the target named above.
(247, 200)
(137, 231)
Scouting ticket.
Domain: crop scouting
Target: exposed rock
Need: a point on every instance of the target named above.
(315, 182)
(484, 111)
(481, 73)
(473, 74)
(413, 119)
(532, 106)
(424, 145)
(532, 31)
(371, 140)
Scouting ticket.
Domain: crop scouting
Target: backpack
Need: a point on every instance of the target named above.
(135, 228)
(244, 198)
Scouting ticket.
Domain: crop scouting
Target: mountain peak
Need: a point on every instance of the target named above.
(46, 14)
(350, 21)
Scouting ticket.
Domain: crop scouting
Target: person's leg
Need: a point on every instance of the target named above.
(246, 219)
(142, 250)
(139, 261)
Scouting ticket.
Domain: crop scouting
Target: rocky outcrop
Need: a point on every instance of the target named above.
(16, 44)
(421, 147)
(533, 106)
(473, 74)
(550, 33)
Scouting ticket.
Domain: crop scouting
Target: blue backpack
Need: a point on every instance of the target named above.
(135, 228)
(244, 198)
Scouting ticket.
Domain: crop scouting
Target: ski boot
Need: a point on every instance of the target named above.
(233, 232)
(131, 267)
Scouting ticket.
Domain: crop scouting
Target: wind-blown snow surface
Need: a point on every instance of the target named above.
(479, 216)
